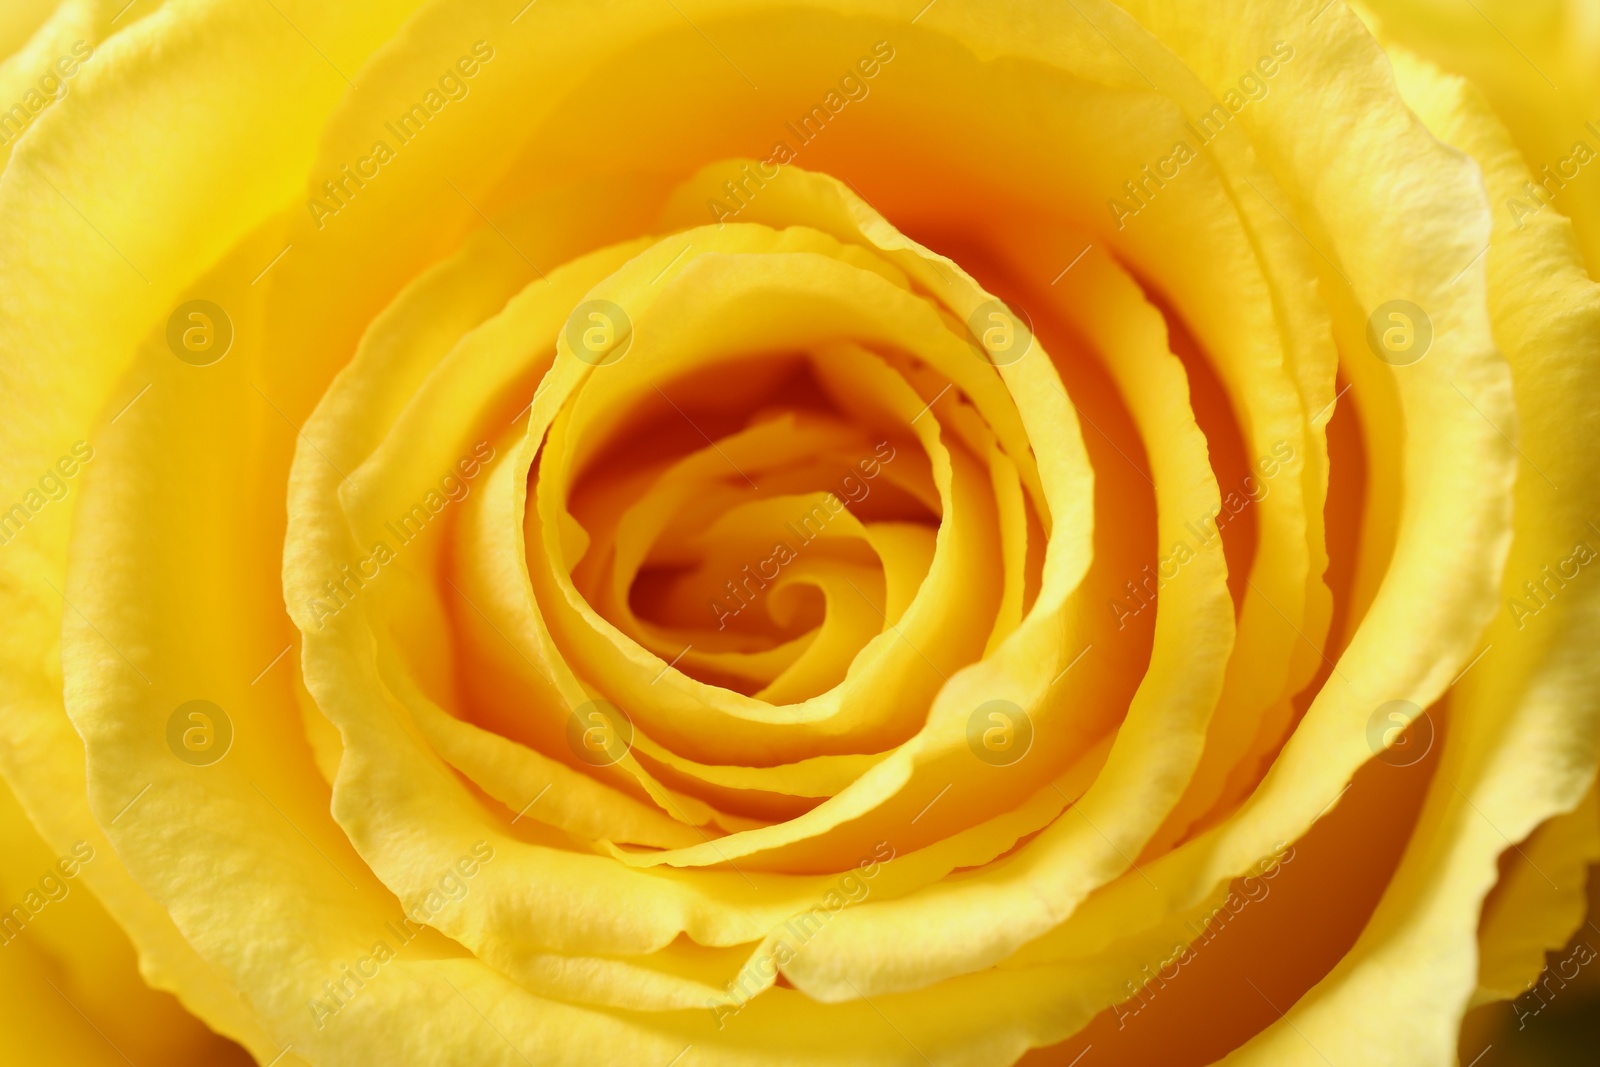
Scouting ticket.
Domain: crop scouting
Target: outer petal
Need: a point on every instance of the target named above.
(64, 189)
(1525, 732)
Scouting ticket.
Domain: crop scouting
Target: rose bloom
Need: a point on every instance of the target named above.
(833, 532)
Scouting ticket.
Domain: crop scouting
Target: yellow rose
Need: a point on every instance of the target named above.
(750, 533)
